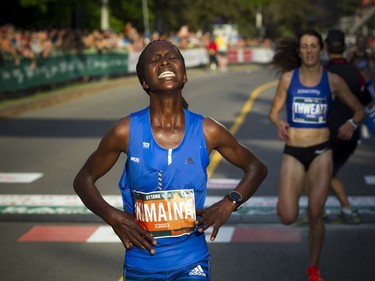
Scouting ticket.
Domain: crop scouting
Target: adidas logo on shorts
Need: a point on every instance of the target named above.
(197, 271)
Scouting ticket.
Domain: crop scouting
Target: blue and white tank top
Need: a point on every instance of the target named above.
(151, 168)
(308, 107)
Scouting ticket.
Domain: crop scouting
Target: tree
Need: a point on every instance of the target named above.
(285, 18)
(280, 18)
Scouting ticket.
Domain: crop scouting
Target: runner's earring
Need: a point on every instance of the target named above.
(145, 85)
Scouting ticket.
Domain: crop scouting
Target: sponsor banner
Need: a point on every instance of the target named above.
(132, 63)
(195, 57)
(262, 55)
(240, 56)
(60, 68)
(67, 67)
(250, 55)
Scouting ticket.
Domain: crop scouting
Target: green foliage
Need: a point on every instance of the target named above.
(122, 12)
(280, 17)
(347, 7)
(42, 5)
(288, 17)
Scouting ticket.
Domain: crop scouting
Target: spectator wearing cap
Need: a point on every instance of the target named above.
(363, 58)
(341, 113)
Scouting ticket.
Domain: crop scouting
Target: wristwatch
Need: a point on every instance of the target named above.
(353, 123)
(236, 198)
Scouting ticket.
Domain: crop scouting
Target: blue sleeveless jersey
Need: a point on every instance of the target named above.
(308, 107)
(183, 167)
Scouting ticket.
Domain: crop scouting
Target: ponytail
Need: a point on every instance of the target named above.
(286, 56)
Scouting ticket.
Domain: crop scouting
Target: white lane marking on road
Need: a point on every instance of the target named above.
(222, 183)
(19, 177)
(370, 180)
(224, 236)
(71, 204)
(232, 183)
(115, 200)
(104, 234)
(270, 201)
(50, 200)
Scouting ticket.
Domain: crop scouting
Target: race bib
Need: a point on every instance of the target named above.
(166, 213)
(310, 110)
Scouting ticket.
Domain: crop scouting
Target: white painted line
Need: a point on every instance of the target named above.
(222, 183)
(218, 183)
(224, 236)
(116, 200)
(19, 177)
(71, 204)
(103, 234)
(270, 201)
(370, 180)
(51, 200)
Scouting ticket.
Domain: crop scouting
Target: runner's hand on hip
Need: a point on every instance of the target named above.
(130, 232)
(215, 216)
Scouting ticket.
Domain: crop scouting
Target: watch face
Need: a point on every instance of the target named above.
(235, 196)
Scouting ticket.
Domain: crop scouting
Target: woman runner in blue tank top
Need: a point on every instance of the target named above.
(164, 182)
(306, 90)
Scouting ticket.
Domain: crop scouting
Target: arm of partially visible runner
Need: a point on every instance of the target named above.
(365, 97)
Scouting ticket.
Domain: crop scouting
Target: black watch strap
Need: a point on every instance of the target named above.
(236, 198)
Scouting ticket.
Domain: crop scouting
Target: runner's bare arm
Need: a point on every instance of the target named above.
(97, 165)
(277, 105)
(341, 90)
(220, 139)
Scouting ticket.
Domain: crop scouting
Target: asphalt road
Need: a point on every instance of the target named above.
(46, 234)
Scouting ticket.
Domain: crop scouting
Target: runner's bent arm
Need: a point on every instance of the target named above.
(277, 105)
(341, 89)
(97, 165)
(220, 139)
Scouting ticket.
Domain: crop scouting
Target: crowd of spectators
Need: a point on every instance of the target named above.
(17, 44)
